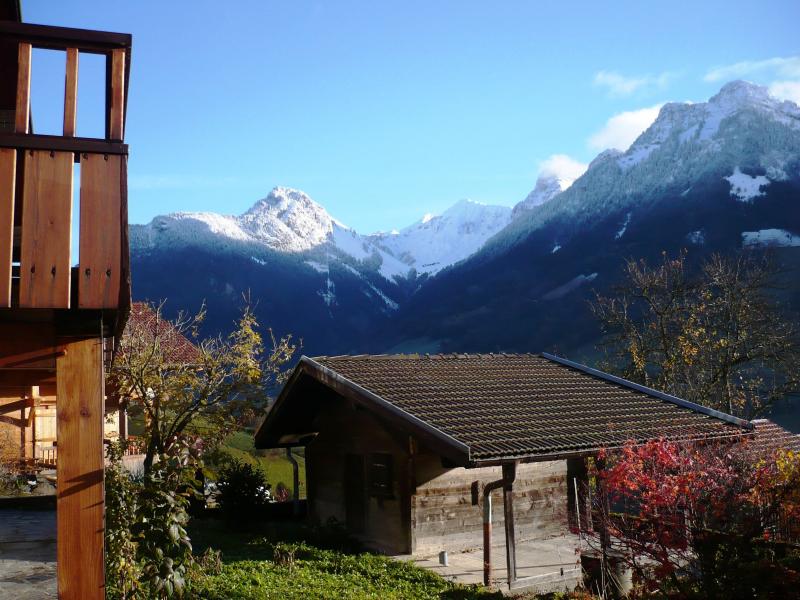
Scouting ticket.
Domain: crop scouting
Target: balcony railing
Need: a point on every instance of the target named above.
(36, 183)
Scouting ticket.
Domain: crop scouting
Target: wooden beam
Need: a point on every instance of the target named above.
(100, 232)
(12, 421)
(16, 405)
(23, 113)
(61, 38)
(117, 97)
(79, 423)
(71, 93)
(8, 178)
(46, 230)
(36, 141)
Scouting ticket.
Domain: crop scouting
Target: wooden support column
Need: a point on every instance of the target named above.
(79, 422)
(8, 178)
(509, 475)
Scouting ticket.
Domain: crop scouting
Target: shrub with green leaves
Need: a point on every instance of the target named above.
(243, 492)
(148, 550)
(122, 569)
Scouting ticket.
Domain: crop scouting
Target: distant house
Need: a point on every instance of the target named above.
(405, 450)
(28, 432)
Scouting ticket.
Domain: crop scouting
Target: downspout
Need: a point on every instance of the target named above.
(295, 481)
(505, 482)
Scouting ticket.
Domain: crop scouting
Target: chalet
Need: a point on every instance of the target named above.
(61, 313)
(407, 450)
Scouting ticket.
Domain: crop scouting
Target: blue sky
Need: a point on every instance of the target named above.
(385, 111)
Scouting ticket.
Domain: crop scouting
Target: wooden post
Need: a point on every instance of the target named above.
(117, 100)
(79, 422)
(295, 482)
(509, 475)
(71, 93)
(8, 178)
(22, 117)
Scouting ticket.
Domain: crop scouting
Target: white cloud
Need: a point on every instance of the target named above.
(786, 90)
(620, 85)
(621, 130)
(784, 67)
(563, 167)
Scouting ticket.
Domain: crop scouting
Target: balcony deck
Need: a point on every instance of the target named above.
(37, 281)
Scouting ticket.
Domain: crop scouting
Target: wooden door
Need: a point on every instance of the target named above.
(355, 493)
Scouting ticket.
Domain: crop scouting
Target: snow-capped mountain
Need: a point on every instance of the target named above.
(438, 241)
(742, 132)
(716, 176)
(713, 177)
(289, 221)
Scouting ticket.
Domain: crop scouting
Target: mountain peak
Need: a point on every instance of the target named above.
(742, 92)
(548, 185)
(288, 219)
(282, 199)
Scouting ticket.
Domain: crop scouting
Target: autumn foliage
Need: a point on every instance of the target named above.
(701, 520)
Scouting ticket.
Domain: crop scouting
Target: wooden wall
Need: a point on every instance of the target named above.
(344, 430)
(431, 508)
(443, 517)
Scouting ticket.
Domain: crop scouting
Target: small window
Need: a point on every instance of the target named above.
(381, 474)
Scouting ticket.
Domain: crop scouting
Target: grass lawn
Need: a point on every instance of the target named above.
(249, 570)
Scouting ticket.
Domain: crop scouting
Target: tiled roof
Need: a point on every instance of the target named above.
(504, 406)
(177, 348)
(769, 436)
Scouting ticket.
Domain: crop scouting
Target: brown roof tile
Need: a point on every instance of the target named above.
(177, 348)
(769, 437)
(521, 405)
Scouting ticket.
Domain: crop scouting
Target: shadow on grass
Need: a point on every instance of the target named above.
(327, 551)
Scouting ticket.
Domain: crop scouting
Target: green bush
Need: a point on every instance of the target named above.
(243, 493)
(148, 550)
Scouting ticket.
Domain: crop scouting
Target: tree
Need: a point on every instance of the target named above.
(205, 387)
(716, 336)
(708, 520)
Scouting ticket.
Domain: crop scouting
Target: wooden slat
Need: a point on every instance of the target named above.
(101, 228)
(8, 168)
(117, 100)
(46, 230)
(23, 88)
(71, 93)
(79, 424)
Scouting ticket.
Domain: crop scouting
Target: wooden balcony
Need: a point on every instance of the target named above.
(59, 315)
(36, 189)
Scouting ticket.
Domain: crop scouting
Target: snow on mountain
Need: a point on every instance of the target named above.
(289, 221)
(742, 134)
(438, 241)
(547, 187)
(770, 237)
(746, 187)
(557, 173)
